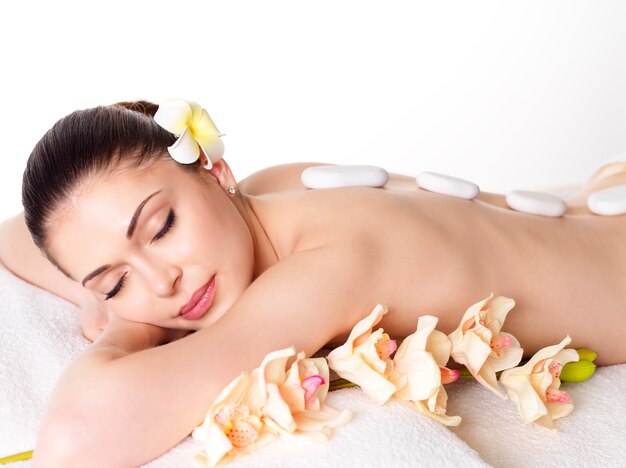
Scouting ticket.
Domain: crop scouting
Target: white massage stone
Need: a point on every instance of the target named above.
(609, 201)
(335, 176)
(447, 185)
(537, 203)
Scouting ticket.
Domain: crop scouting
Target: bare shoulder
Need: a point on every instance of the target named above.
(308, 299)
(283, 177)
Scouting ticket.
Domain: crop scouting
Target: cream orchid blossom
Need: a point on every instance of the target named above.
(303, 389)
(256, 407)
(416, 373)
(479, 344)
(231, 426)
(419, 371)
(534, 387)
(195, 130)
(364, 359)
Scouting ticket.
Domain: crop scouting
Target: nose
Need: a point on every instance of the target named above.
(162, 277)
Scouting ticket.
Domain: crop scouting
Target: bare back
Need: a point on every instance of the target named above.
(433, 254)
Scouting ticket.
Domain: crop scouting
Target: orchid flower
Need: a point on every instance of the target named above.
(232, 426)
(479, 344)
(534, 387)
(256, 407)
(195, 130)
(416, 373)
(303, 389)
(419, 371)
(364, 359)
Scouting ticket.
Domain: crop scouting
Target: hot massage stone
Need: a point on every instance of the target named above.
(609, 201)
(447, 185)
(537, 203)
(335, 176)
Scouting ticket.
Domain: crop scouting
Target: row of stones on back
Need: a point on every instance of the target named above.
(606, 202)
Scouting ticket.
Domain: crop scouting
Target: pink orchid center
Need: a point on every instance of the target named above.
(448, 375)
(235, 423)
(555, 369)
(385, 347)
(554, 395)
(500, 342)
(310, 385)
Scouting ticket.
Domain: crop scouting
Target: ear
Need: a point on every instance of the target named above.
(221, 171)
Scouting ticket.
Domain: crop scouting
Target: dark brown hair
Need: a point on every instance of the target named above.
(87, 143)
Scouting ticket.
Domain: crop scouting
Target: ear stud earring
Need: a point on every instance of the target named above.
(232, 190)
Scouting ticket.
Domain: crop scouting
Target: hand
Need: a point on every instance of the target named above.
(93, 316)
(132, 336)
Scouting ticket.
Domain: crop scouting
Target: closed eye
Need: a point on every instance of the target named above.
(117, 288)
(169, 222)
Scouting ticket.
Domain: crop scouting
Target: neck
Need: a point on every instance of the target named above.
(265, 254)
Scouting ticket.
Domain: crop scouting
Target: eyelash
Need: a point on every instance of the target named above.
(117, 288)
(169, 222)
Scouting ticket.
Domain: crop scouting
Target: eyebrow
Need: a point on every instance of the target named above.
(133, 221)
(96, 272)
(129, 233)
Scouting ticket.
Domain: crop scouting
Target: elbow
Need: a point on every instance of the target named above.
(76, 431)
(60, 445)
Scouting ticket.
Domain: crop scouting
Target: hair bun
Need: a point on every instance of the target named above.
(143, 107)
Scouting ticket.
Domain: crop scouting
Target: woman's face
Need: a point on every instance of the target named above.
(150, 242)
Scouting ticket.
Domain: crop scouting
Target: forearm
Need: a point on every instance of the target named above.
(21, 256)
(145, 403)
(115, 408)
(69, 425)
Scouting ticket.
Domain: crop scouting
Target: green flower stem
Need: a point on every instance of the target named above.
(340, 383)
(16, 457)
(465, 374)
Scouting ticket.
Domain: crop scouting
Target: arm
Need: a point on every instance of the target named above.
(20, 255)
(150, 400)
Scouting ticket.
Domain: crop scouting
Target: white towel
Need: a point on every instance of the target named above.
(40, 336)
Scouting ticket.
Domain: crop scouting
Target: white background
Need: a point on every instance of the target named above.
(509, 95)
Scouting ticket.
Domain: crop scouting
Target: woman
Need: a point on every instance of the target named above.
(151, 249)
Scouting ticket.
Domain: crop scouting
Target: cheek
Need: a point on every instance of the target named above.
(136, 305)
(196, 239)
(202, 231)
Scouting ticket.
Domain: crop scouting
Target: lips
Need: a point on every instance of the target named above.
(200, 301)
